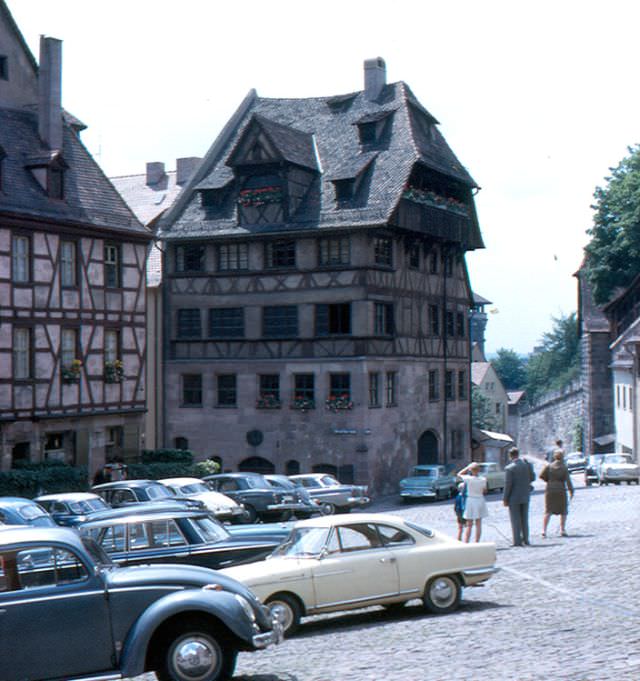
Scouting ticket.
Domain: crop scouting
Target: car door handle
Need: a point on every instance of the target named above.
(387, 560)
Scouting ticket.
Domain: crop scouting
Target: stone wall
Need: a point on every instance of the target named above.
(555, 416)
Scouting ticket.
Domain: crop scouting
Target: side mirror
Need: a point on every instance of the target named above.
(323, 553)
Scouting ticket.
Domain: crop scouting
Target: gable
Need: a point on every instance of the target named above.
(19, 85)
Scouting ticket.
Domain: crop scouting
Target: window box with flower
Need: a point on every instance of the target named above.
(303, 403)
(268, 402)
(71, 372)
(260, 196)
(113, 371)
(435, 200)
(338, 403)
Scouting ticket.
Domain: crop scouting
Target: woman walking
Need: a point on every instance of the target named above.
(556, 475)
(475, 508)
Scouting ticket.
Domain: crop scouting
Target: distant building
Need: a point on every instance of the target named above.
(316, 290)
(72, 269)
(478, 325)
(516, 401)
(489, 385)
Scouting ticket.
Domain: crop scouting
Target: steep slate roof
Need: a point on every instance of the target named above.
(333, 123)
(479, 371)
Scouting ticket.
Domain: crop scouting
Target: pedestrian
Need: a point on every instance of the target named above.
(556, 475)
(103, 475)
(475, 508)
(517, 489)
(458, 507)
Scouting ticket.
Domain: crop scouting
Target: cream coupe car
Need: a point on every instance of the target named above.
(344, 562)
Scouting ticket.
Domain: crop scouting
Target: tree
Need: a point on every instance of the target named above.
(511, 369)
(613, 254)
(482, 414)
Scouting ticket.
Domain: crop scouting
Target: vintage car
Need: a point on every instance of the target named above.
(493, 474)
(70, 508)
(190, 537)
(311, 506)
(125, 492)
(72, 614)
(576, 461)
(333, 495)
(261, 501)
(19, 511)
(591, 469)
(428, 482)
(222, 506)
(618, 468)
(343, 562)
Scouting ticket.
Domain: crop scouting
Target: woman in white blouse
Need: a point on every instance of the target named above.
(475, 507)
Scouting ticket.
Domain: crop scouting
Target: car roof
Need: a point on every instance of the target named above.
(145, 508)
(350, 519)
(126, 483)
(426, 466)
(67, 496)
(14, 502)
(311, 475)
(179, 481)
(13, 534)
(147, 516)
(233, 475)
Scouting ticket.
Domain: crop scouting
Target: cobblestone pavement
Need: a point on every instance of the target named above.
(564, 609)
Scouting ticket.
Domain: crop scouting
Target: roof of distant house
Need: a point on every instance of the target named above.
(479, 371)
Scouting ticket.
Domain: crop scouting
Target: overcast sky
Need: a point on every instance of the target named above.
(537, 99)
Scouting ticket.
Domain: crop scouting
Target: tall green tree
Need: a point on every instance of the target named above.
(482, 414)
(511, 369)
(613, 254)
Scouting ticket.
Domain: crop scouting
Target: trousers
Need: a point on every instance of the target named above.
(519, 515)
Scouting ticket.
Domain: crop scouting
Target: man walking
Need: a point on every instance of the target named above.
(517, 490)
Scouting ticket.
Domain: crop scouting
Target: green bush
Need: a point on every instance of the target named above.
(47, 478)
(207, 467)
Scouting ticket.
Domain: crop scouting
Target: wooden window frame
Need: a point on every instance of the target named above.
(280, 254)
(183, 323)
(27, 375)
(233, 257)
(112, 265)
(192, 393)
(280, 321)
(333, 319)
(68, 266)
(226, 322)
(21, 261)
(226, 395)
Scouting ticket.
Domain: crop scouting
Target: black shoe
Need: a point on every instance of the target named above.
(526, 543)
(517, 544)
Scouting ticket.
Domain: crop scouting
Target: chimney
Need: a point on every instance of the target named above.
(375, 77)
(185, 168)
(155, 172)
(50, 92)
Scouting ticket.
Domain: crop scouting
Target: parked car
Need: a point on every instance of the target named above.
(311, 506)
(494, 475)
(71, 613)
(428, 482)
(333, 495)
(222, 506)
(591, 469)
(125, 492)
(19, 511)
(344, 562)
(618, 468)
(190, 537)
(70, 508)
(576, 461)
(260, 499)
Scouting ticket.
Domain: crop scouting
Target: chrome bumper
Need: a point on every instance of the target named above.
(418, 493)
(268, 638)
(478, 575)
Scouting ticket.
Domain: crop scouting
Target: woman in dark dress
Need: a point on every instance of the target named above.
(556, 475)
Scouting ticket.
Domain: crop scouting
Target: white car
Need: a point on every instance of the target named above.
(618, 468)
(344, 562)
(219, 504)
(494, 474)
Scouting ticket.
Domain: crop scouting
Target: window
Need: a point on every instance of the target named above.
(462, 384)
(55, 186)
(269, 390)
(383, 321)
(192, 390)
(304, 387)
(112, 266)
(450, 324)
(433, 263)
(383, 251)
(111, 345)
(358, 537)
(189, 323)
(280, 321)
(280, 254)
(448, 264)
(344, 189)
(460, 324)
(449, 393)
(68, 347)
(390, 388)
(340, 386)
(226, 322)
(48, 566)
(4, 67)
(413, 255)
(391, 536)
(227, 390)
(21, 258)
(374, 389)
(190, 258)
(181, 443)
(21, 353)
(434, 320)
(333, 319)
(434, 385)
(335, 251)
(260, 201)
(367, 132)
(233, 257)
(3, 155)
(68, 266)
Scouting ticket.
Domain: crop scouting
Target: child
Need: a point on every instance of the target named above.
(458, 507)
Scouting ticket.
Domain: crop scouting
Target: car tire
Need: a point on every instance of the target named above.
(442, 594)
(587, 483)
(252, 514)
(288, 610)
(193, 642)
(327, 508)
(284, 516)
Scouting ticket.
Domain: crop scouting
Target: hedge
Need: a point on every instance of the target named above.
(31, 480)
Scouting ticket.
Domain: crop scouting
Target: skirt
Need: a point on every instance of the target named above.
(475, 508)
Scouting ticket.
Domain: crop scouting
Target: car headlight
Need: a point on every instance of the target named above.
(246, 606)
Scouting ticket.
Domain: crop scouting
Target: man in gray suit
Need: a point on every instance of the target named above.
(517, 490)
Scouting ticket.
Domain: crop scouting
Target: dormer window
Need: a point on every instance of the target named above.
(345, 189)
(260, 201)
(55, 183)
(2, 157)
(48, 171)
(367, 133)
(374, 129)
(4, 67)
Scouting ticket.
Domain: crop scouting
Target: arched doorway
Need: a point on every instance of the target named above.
(428, 448)
(325, 468)
(256, 464)
(292, 467)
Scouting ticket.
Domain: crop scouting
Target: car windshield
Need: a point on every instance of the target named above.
(31, 512)
(208, 529)
(418, 528)
(617, 458)
(96, 552)
(303, 542)
(194, 488)
(425, 472)
(329, 481)
(281, 482)
(87, 506)
(257, 482)
(159, 492)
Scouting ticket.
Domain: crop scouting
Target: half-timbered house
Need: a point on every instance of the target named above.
(72, 278)
(316, 291)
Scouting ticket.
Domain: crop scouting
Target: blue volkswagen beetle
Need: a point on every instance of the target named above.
(19, 511)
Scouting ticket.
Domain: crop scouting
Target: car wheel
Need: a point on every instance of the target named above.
(193, 655)
(284, 516)
(587, 483)
(327, 509)
(288, 611)
(442, 594)
(252, 514)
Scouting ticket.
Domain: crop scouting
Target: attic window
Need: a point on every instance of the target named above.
(2, 157)
(55, 182)
(344, 189)
(211, 198)
(4, 67)
(367, 133)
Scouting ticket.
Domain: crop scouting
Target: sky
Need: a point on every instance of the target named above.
(537, 99)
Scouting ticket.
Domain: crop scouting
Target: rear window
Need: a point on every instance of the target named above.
(31, 511)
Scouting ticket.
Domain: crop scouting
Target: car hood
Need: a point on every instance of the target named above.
(262, 532)
(215, 500)
(417, 482)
